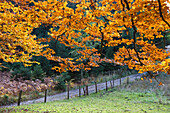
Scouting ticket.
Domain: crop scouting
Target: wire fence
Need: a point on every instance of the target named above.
(84, 90)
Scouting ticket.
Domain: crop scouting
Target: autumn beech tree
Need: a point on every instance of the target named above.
(16, 42)
(100, 21)
(104, 20)
(18, 45)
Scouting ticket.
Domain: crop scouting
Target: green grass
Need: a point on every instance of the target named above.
(136, 97)
(103, 102)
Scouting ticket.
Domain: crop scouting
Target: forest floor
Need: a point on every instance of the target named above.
(75, 92)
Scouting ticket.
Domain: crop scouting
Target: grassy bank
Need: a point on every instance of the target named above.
(103, 102)
(135, 97)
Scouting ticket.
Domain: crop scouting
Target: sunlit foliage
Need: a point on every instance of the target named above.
(102, 21)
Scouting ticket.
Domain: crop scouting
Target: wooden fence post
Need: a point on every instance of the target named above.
(68, 88)
(111, 84)
(106, 85)
(45, 98)
(87, 91)
(84, 91)
(96, 86)
(120, 82)
(127, 80)
(19, 97)
(79, 91)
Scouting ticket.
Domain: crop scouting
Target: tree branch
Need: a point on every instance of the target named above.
(160, 12)
(134, 34)
(101, 49)
(134, 38)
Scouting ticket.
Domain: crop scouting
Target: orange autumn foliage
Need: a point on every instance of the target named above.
(147, 18)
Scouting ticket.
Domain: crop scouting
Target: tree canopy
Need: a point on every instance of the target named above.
(88, 27)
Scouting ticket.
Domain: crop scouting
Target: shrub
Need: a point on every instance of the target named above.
(62, 81)
(61, 84)
(37, 73)
(23, 72)
(6, 100)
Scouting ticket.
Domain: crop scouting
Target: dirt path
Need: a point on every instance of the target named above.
(75, 92)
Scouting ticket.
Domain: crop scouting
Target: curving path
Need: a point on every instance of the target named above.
(73, 93)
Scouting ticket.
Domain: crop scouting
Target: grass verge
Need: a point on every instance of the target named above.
(112, 101)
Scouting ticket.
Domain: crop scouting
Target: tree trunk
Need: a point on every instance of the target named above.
(164, 40)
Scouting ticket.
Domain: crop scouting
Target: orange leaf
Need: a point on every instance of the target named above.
(150, 80)
(160, 84)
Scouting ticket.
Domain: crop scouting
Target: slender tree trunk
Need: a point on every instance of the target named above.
(81, 73)
(164, 40)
